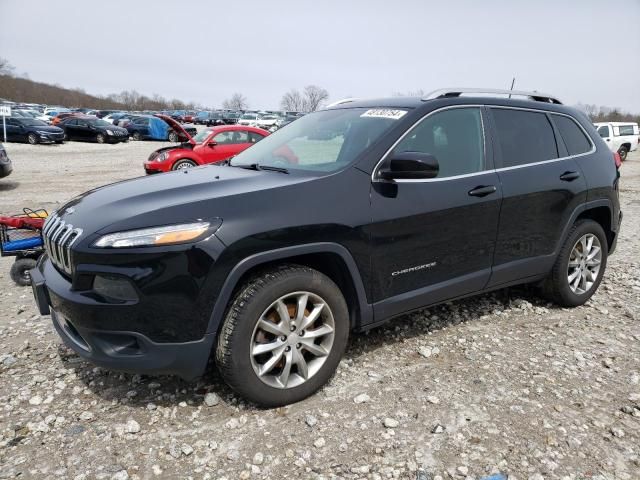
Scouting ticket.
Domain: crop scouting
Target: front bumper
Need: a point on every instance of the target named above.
(101, 333)
(51, 137)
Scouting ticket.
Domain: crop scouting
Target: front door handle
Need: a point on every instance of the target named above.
(569, 176)
(483, 191)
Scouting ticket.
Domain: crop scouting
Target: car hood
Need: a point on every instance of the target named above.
(177, 197)
(177, 127)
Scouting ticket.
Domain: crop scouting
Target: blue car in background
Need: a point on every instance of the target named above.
(160, 127)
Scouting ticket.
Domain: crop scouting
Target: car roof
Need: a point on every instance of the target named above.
(615, 124)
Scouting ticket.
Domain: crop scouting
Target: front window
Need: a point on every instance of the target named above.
(248, 116)
(603, 131)
(322, 141)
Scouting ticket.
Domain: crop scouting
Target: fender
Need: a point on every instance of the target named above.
(220, 307)
(602, 202)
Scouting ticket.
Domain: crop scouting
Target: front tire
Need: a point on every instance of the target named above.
(173, 137)
(20, 271)
(284, 335)
(100, 138)
(32, 138)
(184, 164)
(136, 136)
(579, 267)
(622, 151)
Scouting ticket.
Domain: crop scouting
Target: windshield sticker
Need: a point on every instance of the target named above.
(384, 113)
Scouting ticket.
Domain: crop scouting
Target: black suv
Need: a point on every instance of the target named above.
(349, 216)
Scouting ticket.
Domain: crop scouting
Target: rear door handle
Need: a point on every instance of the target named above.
(569, 176)
(483, 191)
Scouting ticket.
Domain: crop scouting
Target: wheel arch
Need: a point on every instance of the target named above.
(602, 215)
(331, 259)
(627, 145)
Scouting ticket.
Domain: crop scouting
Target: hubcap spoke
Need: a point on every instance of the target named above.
(283, 378)
(260, 348)
(301, 363)
(283, 313)
(318, 332)
(309, 346)
(301, 307)
(272, 362)
(312, 317)
(273, 328)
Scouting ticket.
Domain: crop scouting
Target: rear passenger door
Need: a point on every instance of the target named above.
(542, 186)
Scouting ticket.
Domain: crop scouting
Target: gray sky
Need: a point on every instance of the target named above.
(580, 50)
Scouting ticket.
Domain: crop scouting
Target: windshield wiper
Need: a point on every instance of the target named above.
(257, 167)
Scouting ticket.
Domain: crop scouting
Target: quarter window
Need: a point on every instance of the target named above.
(574, 138)
(453, 136)
(524, 137)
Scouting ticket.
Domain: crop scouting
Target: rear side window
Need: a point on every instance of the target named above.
(626, 129)
(525, 137)
(574, 138)
(453, 136)
(255, 137)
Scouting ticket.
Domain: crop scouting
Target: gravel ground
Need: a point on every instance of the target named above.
(502, 383)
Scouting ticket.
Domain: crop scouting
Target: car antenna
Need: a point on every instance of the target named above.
(513, 82)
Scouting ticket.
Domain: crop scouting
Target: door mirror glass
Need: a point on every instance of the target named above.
(410, 165)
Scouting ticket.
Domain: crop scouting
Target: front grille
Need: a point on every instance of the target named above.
(58, 237)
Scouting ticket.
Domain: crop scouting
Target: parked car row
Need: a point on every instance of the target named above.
(88, 128)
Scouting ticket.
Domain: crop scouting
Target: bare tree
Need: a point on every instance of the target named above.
(236, 102)
(5, 67)
(292, 101)
(313, 97)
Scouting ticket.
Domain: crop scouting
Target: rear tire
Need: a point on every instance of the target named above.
(622, 151)
(271, 355)
(32, 138)
(20, 271)
(580, 265)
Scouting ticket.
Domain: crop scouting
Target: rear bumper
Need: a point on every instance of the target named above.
(5, 169)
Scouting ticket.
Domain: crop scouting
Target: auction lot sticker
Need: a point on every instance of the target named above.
(384, 113)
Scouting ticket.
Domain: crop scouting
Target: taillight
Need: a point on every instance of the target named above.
(616, 159)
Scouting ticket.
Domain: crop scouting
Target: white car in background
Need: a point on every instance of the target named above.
(248, 119)
(621, 137)
(269, 122)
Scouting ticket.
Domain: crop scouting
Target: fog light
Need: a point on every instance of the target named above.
(114, 287)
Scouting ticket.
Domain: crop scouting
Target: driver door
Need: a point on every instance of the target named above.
(434, 239)
(219, 148)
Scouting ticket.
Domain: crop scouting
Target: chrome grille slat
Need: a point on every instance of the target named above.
(59, 236)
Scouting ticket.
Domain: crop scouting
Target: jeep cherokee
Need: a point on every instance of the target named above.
(346, 218)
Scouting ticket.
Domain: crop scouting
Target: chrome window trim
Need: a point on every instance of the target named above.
(414, 125)
(501, 169)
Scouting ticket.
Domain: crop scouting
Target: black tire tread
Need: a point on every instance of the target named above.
(558, 272)
(224, 355)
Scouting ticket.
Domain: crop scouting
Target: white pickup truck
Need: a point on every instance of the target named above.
(622, 137)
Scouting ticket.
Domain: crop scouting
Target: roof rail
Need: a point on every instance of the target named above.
(340, 102)
(456, 92)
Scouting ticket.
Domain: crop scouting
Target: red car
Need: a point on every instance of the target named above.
(212, 145)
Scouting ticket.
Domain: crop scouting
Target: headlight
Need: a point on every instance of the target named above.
(162, 157)
(109, 132)
(155, 236)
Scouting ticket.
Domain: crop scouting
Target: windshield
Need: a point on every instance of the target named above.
(323, 141)
(249, 116)
(201, 136)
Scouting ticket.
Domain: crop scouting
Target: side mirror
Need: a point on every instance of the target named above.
(410, 165)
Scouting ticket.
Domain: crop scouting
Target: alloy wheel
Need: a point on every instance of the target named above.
(584, 264)
(292, 340)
